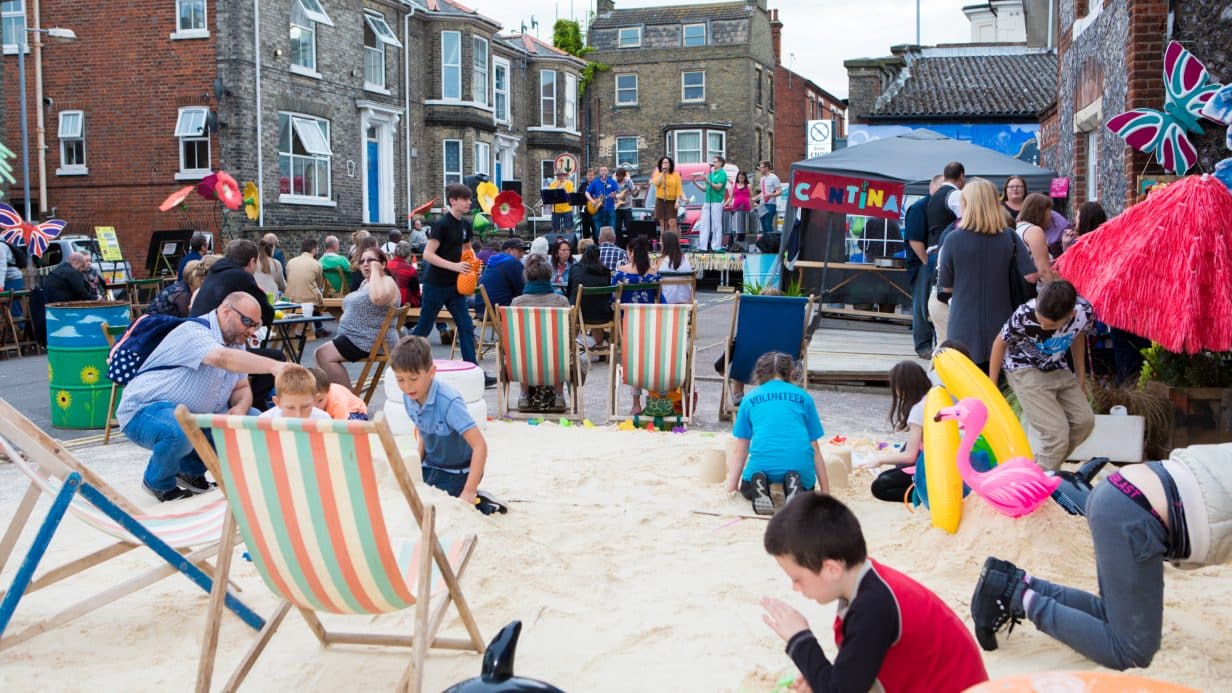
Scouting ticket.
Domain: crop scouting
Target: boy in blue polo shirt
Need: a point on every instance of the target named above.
(452, 451)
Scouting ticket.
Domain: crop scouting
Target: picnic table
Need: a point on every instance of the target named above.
(292, 345)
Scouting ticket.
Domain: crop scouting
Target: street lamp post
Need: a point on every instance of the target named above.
(56, 33)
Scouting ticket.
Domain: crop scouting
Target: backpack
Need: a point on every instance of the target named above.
(135, 346)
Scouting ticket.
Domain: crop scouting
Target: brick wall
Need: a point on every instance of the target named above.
(1205, 28)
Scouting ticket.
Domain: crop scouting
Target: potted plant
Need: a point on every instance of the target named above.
(1199, 388)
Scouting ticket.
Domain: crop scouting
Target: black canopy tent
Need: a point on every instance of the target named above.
(913, 158)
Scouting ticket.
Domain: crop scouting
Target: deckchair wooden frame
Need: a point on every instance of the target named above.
(110, 333)
(573, 387)
(688, 388)
(427, 619)
(584, 327)
(52, 462)
(378, 355)
(727, 409)
(488, 319)
(344, 283)
(677, 278)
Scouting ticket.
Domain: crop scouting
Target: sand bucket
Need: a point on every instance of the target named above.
(714, 467)
(77, 361)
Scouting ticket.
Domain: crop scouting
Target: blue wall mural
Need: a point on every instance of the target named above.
(1019, 140)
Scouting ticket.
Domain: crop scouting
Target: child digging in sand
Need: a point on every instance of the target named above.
(893, 634)
(776, 433)
(909, 385)
(452, 451)
(295, 391)
(337, 400)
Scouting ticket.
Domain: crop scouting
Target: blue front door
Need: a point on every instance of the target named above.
(374, 183)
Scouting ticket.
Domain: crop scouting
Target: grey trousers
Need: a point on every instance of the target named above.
(1121, 627)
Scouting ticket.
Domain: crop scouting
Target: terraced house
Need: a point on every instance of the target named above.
(345, 113)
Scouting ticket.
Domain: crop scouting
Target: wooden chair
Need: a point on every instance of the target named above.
(482, 344)
(110, 333)
(74, 489)
(536, 347)
(314, 525)
(9, 337)
(583, 292)
(378, 355)
(761, 324)
(652, 349)
(688, 279)
(344, 282)
(140, 293)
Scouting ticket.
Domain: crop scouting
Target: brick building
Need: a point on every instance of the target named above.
(689, 81)
(1110, 58)
(798, 100)
(347, 113)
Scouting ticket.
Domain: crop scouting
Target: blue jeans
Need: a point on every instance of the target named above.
(767, 219)
(154, 428)
(437, 297)
(921, 328)
(562, 222)
(605, 217)
(451, 482)
(14, 284)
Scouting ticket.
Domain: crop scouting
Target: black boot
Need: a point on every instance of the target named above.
(997, 600)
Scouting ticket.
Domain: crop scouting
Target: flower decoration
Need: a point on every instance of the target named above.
(89, 375)
(228, 191)
(252, 200)
(176, 198)
(206, 187)
(64, 399)
(507, 209)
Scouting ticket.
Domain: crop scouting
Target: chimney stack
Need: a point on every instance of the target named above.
(776, 36)
(605, 6)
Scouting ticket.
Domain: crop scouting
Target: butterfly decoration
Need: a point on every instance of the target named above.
(1165, 134)
(36, 237)
(1219, 109)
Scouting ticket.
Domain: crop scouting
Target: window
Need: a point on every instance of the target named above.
(377, 35)
(570, 101)
(13, 20)
(1092, 186)
(72, 142)
(694, 35)
(693, 85)
(547, 98)
(483, 158)
(626, 153)
(770, 90)
(479, 70)
(313, 10)
(757, 136)
(716, 144)
(500, 89)
(629, 37)
(757, 86)
(453, 161)
(304, 35)
(547, 169)
(687, 146)
(194, 142)
(304, 156)
(451, 65)
(626, 90)
(190, 19)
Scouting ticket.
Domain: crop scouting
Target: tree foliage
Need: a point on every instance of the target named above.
(567, 36)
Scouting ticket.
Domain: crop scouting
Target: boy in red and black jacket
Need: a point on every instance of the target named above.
(893, 634)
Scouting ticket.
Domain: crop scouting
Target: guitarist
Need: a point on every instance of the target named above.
(599, 197)
(624, 205)
(588, 220)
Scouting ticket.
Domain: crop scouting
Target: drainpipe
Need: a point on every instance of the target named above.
(406, 115)
(256, 47)
(1051, 28)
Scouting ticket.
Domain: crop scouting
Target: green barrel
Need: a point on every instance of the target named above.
(77, 361)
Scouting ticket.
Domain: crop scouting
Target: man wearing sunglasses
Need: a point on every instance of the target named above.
(201, 364)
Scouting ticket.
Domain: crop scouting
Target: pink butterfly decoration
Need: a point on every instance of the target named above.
(36, 237)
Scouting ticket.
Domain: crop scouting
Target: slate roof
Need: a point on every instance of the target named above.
(674, 14)
(456, 8)
(533, 46)
(971, 86)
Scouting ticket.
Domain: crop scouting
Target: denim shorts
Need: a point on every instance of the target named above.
(448, 480)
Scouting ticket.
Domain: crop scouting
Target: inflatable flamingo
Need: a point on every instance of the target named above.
(1014, 487)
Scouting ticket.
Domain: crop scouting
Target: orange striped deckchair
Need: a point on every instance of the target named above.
(75, 489)
(304, 496)
(653, 349)
(536, 348)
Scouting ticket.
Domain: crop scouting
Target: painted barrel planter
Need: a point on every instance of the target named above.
(77, 361)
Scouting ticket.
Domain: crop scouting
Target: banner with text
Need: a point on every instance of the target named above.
(858, 196)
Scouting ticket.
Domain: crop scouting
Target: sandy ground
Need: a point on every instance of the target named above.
(620, 585)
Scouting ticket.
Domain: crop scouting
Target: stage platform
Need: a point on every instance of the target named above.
(858, 355)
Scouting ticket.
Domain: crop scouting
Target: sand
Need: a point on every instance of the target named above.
(619, 584)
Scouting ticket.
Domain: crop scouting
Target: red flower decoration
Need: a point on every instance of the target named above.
(206, 187)
(228, 190)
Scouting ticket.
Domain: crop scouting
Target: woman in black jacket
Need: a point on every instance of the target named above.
(589, 271)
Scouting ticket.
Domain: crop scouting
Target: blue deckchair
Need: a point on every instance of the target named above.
(761, 324)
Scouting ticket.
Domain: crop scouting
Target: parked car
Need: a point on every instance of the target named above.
(62, 246)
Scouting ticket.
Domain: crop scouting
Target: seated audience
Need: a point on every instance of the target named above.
(363, 312)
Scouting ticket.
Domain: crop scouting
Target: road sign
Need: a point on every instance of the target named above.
(566, 162)
(819, 138)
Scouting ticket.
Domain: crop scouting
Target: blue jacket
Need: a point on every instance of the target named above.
(503, 279)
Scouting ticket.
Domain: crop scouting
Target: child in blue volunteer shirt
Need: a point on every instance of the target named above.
(776, 432)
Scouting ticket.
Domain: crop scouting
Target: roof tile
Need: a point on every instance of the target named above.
(675, 14)
(973, 86)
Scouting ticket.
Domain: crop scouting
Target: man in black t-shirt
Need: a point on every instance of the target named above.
(443, 253)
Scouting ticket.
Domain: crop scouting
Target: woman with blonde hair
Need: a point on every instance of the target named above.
(974, 270)
(269, 276)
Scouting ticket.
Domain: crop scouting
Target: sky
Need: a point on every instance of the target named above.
(852, 28)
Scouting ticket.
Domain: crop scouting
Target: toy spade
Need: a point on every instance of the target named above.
(497, 676)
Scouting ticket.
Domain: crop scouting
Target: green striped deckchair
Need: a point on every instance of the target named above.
(304, 496)
(653, 350)
(536, 347)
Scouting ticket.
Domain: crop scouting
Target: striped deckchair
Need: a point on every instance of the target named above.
(761, 324)
(74, 489)
(536, 348)
(653, 349)
(304, 496)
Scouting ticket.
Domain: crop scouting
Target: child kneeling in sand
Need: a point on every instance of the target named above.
(776, 433)
(892, 633)
(337, 400)
(295, 391)
(452, 451)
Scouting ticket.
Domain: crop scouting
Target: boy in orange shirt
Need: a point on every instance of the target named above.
(337, 401)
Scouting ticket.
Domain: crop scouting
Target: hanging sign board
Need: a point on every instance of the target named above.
(108, 244)
(858, 196)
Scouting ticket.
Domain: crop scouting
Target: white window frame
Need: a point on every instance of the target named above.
(480, 71)
(483, 158)
(635, 161)
(192, 32)
(308, 32)
(684, 88)
(722, 150)
(499, 64)
(374, 56)
(314, 11)
(12, 15)
(314, 136)
(571, 114)
(69, 134)
(446, 66)
(184, 132)
(674, 144)
(632, 43)
(448, 176)
(619, 89)
(684, 34)
(1092, 155)
(543, 100)
(547, 174)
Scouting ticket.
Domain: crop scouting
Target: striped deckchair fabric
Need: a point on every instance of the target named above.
(655, 345)
(539, 342)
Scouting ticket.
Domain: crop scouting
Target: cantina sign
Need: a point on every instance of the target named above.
(857, 196)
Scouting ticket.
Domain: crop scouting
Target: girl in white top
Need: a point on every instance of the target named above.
(269, 274)
(1034, 216)
(909, 385)
(672, 259)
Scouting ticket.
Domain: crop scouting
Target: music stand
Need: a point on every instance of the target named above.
(577, 199)
(553, 196)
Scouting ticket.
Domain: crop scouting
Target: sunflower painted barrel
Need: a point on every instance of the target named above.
(77, 360)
